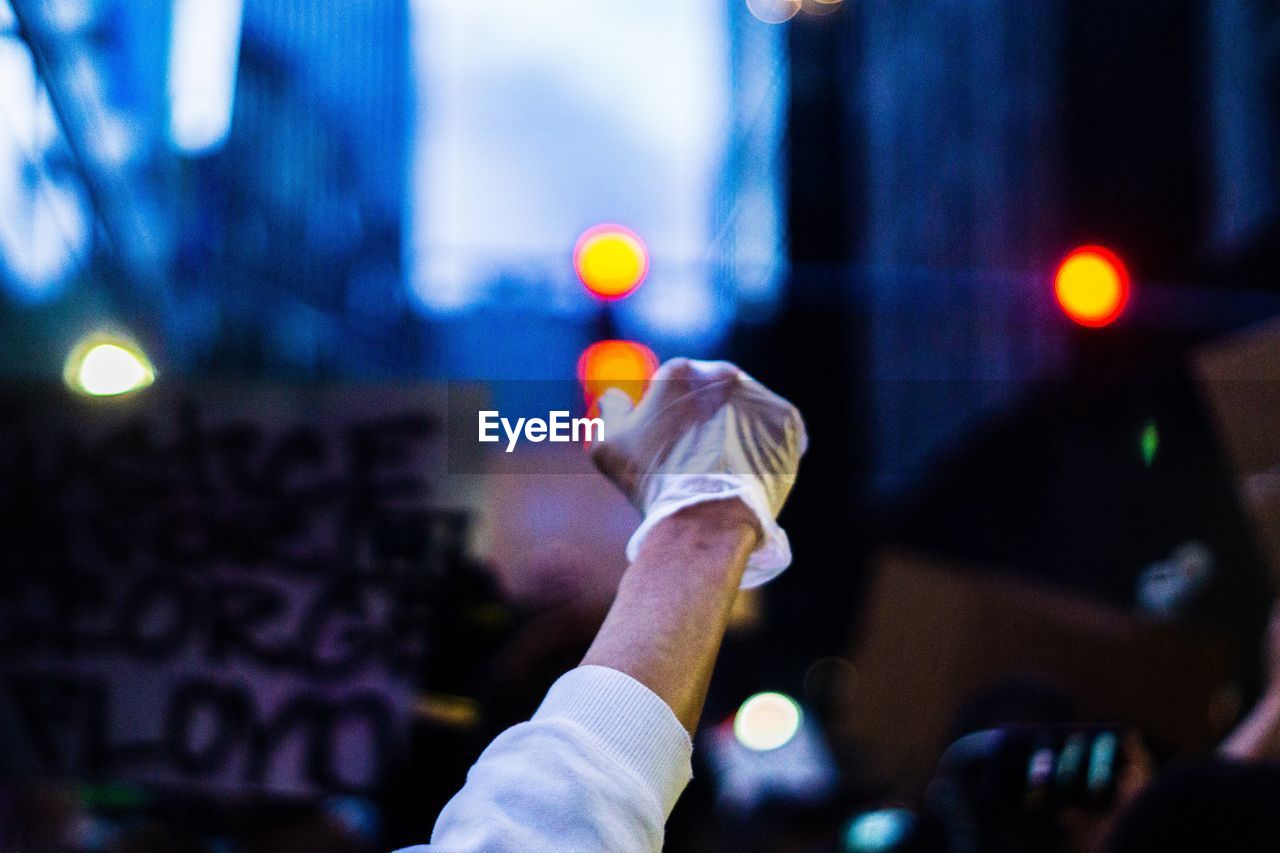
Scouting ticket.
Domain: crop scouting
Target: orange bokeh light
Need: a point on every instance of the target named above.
(611, 260)
(1092, 286)
(625, 365)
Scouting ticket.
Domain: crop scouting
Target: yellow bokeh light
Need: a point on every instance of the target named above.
(1092, 286)
(105, 365)
(611, 260)
(766, 721)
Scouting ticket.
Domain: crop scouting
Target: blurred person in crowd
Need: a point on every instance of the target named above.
(982, 799)
(1227, 804)
(1219, 805)
(709, 457)
(1257, 737)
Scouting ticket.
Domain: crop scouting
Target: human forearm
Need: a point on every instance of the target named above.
(1257, 737)
(605, 754)
(709, 457)
(673, 604)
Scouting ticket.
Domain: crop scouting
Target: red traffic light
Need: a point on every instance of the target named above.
(1092, 286)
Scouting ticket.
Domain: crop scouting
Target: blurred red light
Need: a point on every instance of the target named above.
(625, 365)
(1092, 286)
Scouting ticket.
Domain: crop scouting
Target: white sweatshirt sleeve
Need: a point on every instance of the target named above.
(598, 768)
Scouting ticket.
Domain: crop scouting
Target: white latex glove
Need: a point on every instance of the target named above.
(705, 431)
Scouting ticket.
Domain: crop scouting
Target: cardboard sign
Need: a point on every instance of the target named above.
(208, 589)
(1240, 376)
(934, 633)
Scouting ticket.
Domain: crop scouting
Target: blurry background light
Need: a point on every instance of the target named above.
(453, 284)
(46, 231)
(69, 16)
(610, 260)
(26, 116)
(44, 237)
(625, 365)
(1149, 443)
(115, 141)
(879, 830)
(766, 721)
(774, 11)
(1092, 286)
(681, 307)
(821, 7)
(104, 365)
(204, 51)
(83, 78)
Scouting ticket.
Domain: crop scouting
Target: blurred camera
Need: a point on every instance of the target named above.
(1003, 789)
(1034, 769)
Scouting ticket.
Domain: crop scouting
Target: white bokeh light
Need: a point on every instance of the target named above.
(766, 721)
(27, 123)
(204, 53)
(45, 232)
(774, 11)
(43, 236)
(104, 365)
(679, 305)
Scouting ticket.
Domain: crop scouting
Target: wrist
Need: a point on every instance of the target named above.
(770, 552)
(726, 520)
(729, 515)
(715, 535)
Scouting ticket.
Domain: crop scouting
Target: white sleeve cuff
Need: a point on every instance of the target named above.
(630, 723)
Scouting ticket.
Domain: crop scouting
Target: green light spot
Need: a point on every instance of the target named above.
(114, 795)
(1149, 443)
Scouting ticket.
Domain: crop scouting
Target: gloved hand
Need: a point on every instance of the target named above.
(705, 431)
